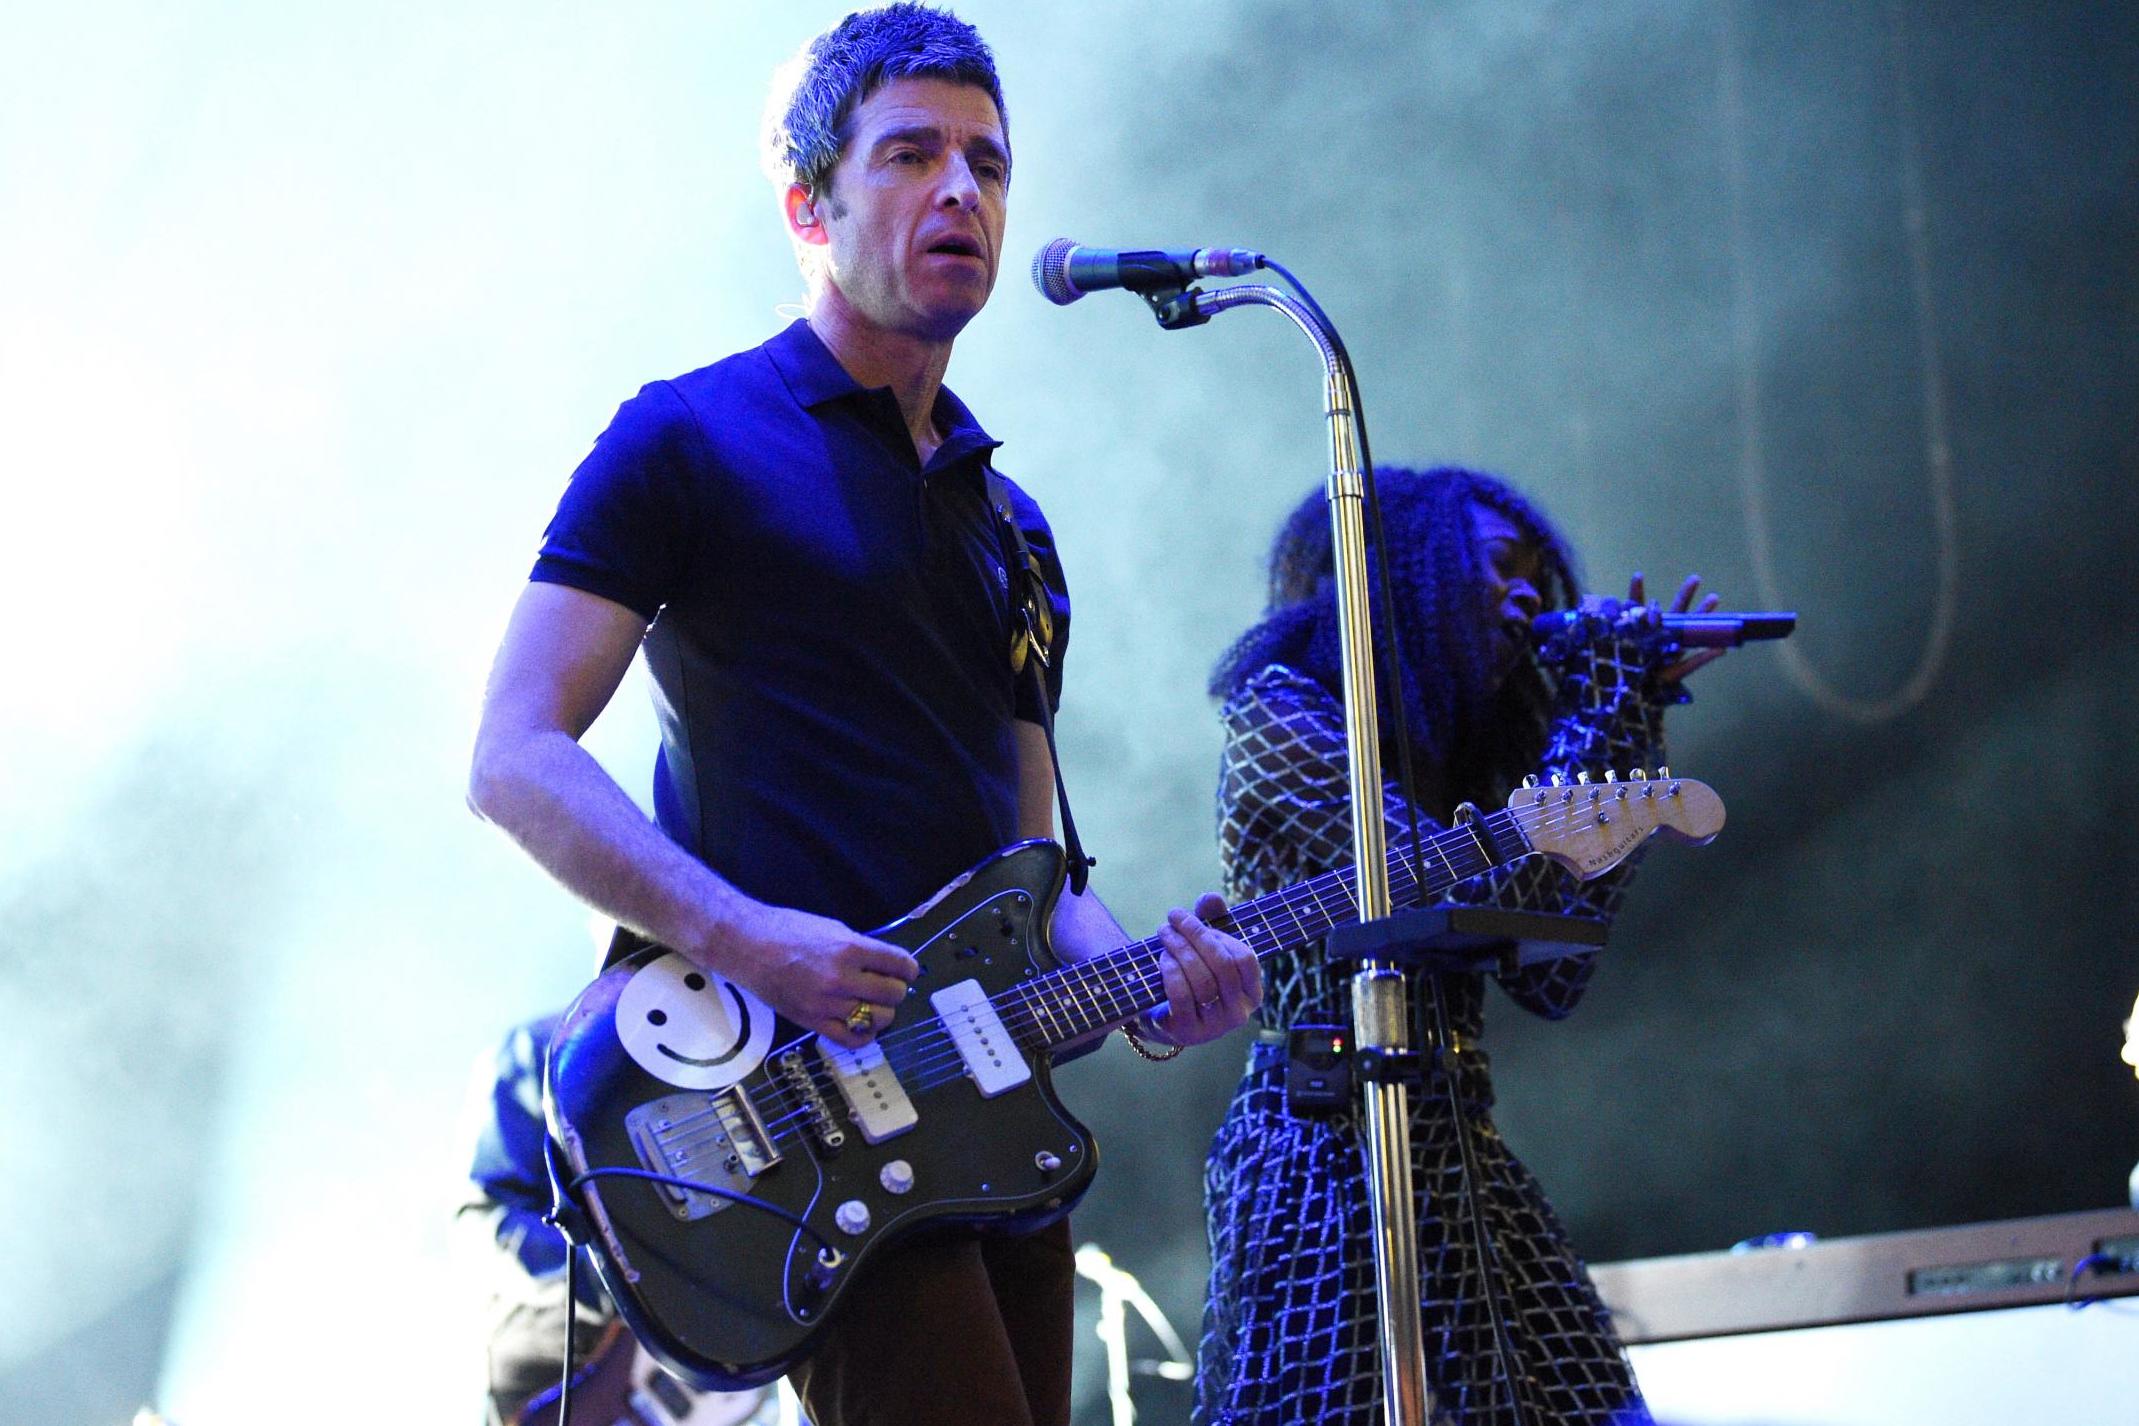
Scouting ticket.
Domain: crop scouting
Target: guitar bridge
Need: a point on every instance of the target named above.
(712, 1138)
(815, 1108)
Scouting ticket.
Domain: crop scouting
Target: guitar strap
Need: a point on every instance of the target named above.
(1032, 645)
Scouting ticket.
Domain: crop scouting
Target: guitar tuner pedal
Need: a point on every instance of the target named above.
(1318, 1070)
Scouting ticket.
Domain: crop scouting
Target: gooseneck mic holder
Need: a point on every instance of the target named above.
(1381, 1017)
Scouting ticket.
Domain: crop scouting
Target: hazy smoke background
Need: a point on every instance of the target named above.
(308, 312)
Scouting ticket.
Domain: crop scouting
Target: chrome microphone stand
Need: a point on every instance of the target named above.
(1381, 1018)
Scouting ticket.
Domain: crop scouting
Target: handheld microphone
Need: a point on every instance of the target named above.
(1064, 270)
(1694, 631)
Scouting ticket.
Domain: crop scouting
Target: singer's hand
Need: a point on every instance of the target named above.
(1682, 604)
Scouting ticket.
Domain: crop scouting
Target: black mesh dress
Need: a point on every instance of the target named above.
(1290, 1324)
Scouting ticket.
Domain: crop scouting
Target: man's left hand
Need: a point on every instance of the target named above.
(1212, 981)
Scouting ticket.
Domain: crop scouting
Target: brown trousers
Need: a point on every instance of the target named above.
(950, 1329)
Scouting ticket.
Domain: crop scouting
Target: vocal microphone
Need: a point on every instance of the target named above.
(1064, 270)
(1693, 631)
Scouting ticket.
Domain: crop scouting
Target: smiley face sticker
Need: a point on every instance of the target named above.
(691, 1028)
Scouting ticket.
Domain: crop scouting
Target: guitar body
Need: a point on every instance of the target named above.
(661, 1068)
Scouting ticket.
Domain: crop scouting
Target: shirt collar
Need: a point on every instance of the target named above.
(814, 376)
(812, 373)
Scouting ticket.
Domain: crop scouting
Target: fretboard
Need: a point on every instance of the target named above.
(1100, 993)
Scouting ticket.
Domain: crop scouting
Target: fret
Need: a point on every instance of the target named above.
(1110, 989)
(1448, 865)
(1261, 937)
(1109, 986)
(1040, 1008)
(1347, 905)
(1073, 1001)
(1284, 899)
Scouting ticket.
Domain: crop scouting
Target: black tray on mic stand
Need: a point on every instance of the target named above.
(1451, 938)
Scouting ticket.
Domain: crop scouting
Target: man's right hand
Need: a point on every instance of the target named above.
(813, 970)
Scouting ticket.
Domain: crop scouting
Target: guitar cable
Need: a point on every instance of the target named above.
(1407, 783)
(564, 1216)
(571, 1320)
(693, 1186)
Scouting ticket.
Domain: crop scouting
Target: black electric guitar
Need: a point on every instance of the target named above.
(737, 1172)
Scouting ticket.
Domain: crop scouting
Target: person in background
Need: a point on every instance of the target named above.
(1290, 1326)
(2130, 1055)
(516, 1259)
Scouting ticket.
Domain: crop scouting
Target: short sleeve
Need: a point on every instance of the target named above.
(1040, 538)
(623, 527)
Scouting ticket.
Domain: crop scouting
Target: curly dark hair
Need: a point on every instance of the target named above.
(1469, 737)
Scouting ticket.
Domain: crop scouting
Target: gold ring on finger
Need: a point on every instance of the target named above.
(861, 1018)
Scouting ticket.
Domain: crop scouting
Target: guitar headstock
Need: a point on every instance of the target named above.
(1589, 827)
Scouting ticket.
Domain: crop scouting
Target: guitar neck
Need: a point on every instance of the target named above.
(1103, 992)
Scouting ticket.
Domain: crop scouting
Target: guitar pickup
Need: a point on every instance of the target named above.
(991, 1056)
(876, 1100)
(716, 1139)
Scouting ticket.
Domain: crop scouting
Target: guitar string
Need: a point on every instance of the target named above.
(1128, 980)
(932, 1059)
(924, 1052)
(920, 1056)
(1133, 967)
(925, 1057)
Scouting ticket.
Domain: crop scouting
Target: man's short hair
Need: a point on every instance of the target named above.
(815, 94)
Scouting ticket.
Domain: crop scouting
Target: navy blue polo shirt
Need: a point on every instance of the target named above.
(829, 640)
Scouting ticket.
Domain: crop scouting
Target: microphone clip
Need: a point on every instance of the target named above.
(1176, 307)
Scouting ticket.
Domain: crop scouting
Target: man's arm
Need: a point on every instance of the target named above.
(563, 654)
(1212, 981)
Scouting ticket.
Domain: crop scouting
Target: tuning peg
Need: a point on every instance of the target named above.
(1663, 773)
(1558, 781)
(1582, 777)
(1638, 775)
(1610, 776)
(1530, 780)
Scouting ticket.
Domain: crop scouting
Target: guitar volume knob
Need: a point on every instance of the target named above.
(852, 1217)
(896, 1176)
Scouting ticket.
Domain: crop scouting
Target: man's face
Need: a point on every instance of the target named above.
(1512, 570)
(912, 215)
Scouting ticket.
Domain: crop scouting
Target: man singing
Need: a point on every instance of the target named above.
(801, 538)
